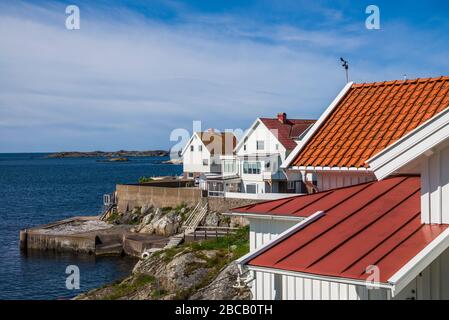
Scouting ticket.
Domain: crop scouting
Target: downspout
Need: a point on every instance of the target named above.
(310, 184)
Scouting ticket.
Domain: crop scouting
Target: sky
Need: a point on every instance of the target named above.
(136, 71)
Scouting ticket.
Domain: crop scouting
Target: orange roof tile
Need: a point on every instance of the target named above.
(371, 117)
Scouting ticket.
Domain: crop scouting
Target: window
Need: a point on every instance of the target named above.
(277, 146)
(200, 148)
(191, 148)
(190, 174)
(291, 185)
(251, 188)
(251, 167)
(260, 145)
(229, 166)
(267, 165)
(205, 162)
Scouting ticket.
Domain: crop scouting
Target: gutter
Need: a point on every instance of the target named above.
(379, 285)
(264, 216)
(331, 169)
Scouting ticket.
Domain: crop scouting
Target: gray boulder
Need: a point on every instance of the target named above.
(222, 287)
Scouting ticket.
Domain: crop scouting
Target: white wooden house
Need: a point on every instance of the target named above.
(255, 164)
(201, 155)
(377, 225)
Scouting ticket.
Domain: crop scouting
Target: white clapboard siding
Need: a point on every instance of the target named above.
(330, 180)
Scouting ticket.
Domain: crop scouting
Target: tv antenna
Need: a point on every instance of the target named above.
(345, 65)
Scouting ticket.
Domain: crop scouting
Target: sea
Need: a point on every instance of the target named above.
(35, 190)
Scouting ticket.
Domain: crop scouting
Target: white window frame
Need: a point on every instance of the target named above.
(258, 142)
(229, 164)
(252, 167)
(291, 185)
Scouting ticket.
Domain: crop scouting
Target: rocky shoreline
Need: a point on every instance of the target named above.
(113, 154)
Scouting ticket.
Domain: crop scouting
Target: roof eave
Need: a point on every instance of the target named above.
(312, 276)
(330, 169)
(264, 216)
(419, 262)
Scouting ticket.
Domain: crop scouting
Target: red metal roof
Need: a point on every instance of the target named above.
(287, 131)
(371, 117)
(376, 223)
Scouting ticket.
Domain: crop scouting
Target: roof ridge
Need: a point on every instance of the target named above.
(400, 82)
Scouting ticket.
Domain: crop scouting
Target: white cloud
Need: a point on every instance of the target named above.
(127, 83)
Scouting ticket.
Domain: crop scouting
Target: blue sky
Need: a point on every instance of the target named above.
(137, 70)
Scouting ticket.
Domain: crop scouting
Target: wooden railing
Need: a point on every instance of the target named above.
(206, 232)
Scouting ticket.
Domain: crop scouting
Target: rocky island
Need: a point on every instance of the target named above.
(106, 154)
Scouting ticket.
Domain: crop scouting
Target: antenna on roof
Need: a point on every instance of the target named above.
(405, 77)
(345, 65)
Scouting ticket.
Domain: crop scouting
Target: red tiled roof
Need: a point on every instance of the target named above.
(289, 131)
(376, 223)
(371, 117)
(223, 142)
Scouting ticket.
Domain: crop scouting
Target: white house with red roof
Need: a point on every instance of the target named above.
(377, 226)
(261, 151)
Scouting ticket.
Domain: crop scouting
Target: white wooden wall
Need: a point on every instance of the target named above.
(262, 231)
(193, 160)
(435, 187)
(301, 288)
(332, 180)
(432, 283)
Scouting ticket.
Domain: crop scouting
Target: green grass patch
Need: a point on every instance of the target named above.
(145, 179)
(240, 239)
(125, 288)
(113, 217)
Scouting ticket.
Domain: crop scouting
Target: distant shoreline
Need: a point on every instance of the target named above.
(105, 154)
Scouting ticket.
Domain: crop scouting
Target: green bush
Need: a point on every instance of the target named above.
(145, 179)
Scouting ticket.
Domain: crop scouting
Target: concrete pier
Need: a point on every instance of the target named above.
(88, 235)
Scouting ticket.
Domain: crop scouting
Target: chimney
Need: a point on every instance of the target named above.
(211, 130)
(282, 117)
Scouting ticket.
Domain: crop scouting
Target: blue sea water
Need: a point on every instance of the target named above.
(35, 190)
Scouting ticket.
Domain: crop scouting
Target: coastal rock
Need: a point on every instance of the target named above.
(147, 219)
(222, 288)
(212, 219)
(168, 225)
(183, 272)
(146, 208)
